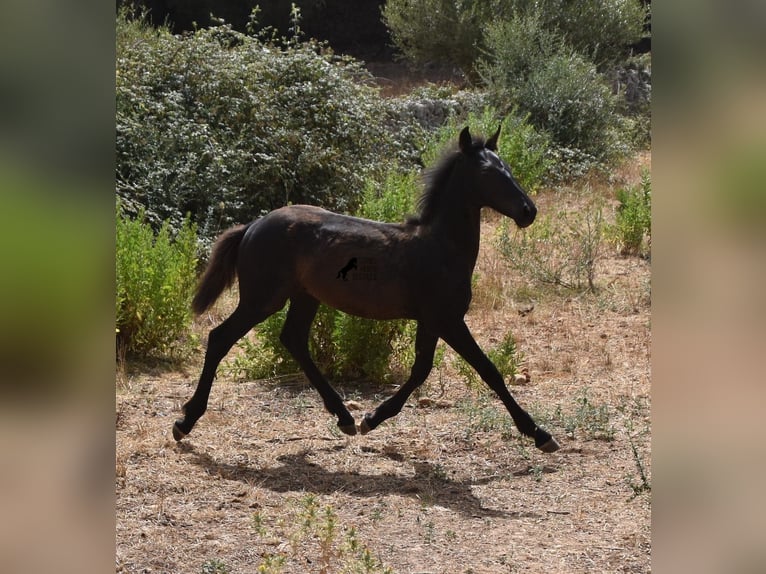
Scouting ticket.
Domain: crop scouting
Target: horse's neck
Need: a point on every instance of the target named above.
(457, 228)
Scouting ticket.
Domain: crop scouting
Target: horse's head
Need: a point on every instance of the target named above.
(495, 185)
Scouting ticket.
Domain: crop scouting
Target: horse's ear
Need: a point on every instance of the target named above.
(466, 141)
(492, 142)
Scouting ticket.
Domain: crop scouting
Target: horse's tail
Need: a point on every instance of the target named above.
(221, 269)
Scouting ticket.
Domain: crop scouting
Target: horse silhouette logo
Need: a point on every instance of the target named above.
(348, 267)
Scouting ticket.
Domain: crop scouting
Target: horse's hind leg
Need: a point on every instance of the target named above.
(220, 341)
(459, 338)
(425, 346)
(295, 337)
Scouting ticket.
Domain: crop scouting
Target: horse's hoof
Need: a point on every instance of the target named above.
(550, 446)
(348, 429)
(364, 427)
(545, 442)
(178, 434)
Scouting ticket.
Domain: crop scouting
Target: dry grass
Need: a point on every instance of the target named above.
(445, 488)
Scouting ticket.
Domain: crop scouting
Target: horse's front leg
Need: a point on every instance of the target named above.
(425, 346)
(460, 339)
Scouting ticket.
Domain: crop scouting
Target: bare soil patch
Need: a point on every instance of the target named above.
(266, 481)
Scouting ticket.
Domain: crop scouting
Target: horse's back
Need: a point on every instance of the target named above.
(356, 265)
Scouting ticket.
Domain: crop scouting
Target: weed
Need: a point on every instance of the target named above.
(633, 226)
(429, 535)
(560, 250)
(272, 564)
(215, 566)
(593, 420)
(313, 528)
(156, 275)
(644, 485)
(536, 472)
(506, 357)
(484, 416)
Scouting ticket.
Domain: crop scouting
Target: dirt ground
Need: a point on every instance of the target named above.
(266, 483)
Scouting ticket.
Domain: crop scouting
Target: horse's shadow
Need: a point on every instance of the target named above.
(298, 474)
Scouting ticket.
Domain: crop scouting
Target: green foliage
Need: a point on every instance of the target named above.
(546, 58)
(455, 33)
(583, 418)
(393, 200)
(633, 223)
(156, 276)
(215, 566)
(532, 67)
(316, 536)
(592, 420)
(226, 126)
(569, 98)
(561, 249)
(523, 147)
(440, 31)
(600, 30)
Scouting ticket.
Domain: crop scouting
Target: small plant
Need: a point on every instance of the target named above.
(483, 415)
(633, 227)
(594, 421)
(506, 357)
(272, 564)
(215, 566)
(644, 485)
(156, 275)
(560, 250)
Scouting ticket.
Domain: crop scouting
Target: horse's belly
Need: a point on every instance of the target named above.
(363, 297)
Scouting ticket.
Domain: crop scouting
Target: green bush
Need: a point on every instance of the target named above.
(633, 224)
(532, 68)
(455, 33)
(435, 31)
(226, 126)
(156, 276)
(600, 30)
(567, 97)
(545, 58)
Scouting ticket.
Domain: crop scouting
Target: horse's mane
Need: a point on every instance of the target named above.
(435, 183)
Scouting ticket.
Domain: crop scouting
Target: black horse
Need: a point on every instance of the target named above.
(420, 270)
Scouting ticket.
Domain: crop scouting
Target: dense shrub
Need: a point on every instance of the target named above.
(600, 30)
(435, 31)
(226, 126)
(454, 33)
(530, 67)
(547, 58)
(156, 275)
